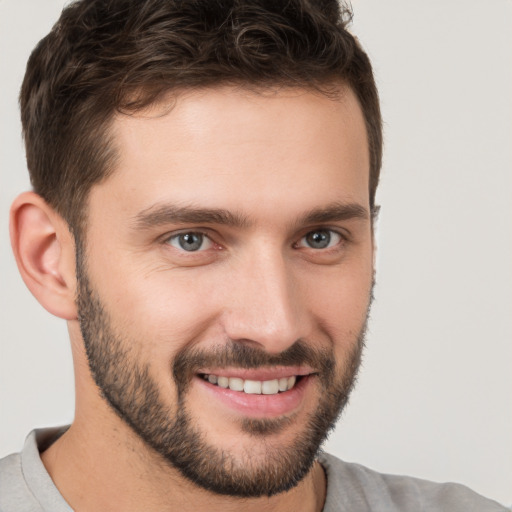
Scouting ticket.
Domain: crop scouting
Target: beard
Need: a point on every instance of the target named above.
(126, 383)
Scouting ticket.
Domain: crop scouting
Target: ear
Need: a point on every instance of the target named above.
(45, 253)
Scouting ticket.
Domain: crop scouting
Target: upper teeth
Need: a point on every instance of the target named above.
(257, 387)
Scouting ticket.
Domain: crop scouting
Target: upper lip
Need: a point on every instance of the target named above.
(269, 373)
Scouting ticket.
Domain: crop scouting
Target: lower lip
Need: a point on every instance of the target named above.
(260, 406)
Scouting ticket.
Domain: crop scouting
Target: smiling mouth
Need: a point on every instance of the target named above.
(253, 387)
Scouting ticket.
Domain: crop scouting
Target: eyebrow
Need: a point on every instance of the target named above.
(334, 212)
(161, 214)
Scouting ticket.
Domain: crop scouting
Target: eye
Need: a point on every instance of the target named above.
(320, 239)
(190, 241)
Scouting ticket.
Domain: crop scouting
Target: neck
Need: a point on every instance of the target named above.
(118, 472)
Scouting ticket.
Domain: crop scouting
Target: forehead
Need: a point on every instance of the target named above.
(245, 148)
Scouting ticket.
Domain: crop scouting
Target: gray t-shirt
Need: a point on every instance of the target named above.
(25, 486)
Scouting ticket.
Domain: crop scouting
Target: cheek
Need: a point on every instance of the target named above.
(339, 301)
(157, 311)
(162, 310)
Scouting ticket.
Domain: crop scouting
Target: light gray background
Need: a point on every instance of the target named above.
(434, 397)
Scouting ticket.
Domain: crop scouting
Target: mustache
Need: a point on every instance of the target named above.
(240, 355)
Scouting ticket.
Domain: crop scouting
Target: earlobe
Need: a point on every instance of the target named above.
(44, 250)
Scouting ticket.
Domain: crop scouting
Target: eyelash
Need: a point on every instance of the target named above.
(176, 237)
(339, 237)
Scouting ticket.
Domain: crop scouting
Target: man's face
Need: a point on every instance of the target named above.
(226, 277)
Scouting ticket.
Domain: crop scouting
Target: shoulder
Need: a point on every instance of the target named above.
(25, 485)
(355, 486)
(15, 494)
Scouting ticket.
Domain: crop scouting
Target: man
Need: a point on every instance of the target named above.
(204, 193)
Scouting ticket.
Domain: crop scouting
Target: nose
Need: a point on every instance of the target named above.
(266, 305)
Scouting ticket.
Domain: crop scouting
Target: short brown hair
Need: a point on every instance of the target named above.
(104, 56)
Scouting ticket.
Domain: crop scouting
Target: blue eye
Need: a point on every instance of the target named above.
(320, 239)
(190, 242)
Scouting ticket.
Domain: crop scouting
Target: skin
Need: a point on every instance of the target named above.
(271, 158)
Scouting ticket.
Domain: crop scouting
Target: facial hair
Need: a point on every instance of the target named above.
(128, 387)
